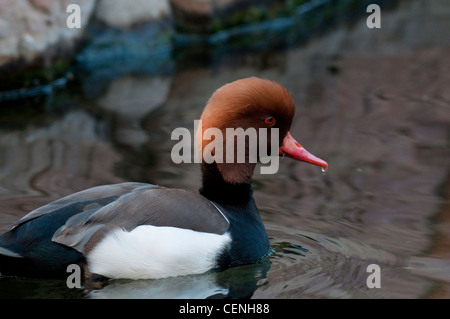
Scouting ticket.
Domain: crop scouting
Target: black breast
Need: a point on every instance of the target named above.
(249, 238)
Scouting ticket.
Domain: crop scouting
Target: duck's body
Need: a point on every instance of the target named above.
(137, 230)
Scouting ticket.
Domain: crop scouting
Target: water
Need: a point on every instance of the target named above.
(373, 103)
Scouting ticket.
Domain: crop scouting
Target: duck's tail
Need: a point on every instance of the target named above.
(8, 259)
(39, 261)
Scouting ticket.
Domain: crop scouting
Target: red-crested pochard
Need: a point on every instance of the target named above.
(137, 230)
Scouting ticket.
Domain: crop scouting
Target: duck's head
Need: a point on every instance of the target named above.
(251, 103)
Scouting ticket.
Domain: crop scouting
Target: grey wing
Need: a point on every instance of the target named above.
(88, 195)
(142, 206)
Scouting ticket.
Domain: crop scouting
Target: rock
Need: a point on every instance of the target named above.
(43, 5)
(194, 7)
(31, 29)
(119, 13)
(198, 15)
(27, 46)
(35, 28)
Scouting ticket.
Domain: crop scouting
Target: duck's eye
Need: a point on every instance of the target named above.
(270, 120)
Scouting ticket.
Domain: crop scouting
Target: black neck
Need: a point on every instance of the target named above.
(217, 190)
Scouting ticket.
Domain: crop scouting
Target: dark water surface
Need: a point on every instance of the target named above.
(374, 103)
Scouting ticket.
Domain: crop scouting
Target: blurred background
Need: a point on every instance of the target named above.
(95, 105)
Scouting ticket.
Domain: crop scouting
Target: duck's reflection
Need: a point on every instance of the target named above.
(237, 282)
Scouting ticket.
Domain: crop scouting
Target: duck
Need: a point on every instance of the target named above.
(134, 230)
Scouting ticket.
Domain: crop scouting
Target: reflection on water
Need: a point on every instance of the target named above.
(240, 282)
(373, 103)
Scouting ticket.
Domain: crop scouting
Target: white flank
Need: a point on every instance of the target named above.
(151, 252)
